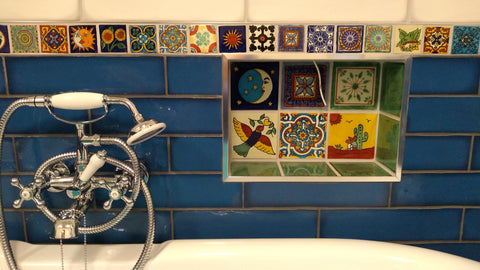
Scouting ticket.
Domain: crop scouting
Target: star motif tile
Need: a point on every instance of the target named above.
(301, 85)
(54, 38)
(83, 38)
(24, 38)
(290, 38)
(4, 40)
(203, 39)
(378, 38)
(232, 39)
(436, 39)
(261, 38)
(172, 38)
(408, 39)
(349, 38)
(465, 39)
(143, 38)
(320, 38)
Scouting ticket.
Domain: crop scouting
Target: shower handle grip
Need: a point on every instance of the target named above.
(78, 101)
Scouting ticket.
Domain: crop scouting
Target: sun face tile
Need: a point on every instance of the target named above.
(83, 38)
(261, 38)
(436, 39)
(4, 40)
(172, 38)
(352, 135)
(24, 38)
(203, 39)
(54, 38)
(254, 85)
(355, 85)
(290, 38)
(465, 39)
(378, 38)
(320, 38)
(113, 38)
(302, 86)
(143, 39)
(302, 135)
(232, 39)
(349, 38)
(408, 39)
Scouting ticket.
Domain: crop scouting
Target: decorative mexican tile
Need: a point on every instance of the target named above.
(465, 39)
(232, 39)
(4, 42)
(387, 141)
(255, 169)
(254, 85)
(392, 87)
(352, 135)
(24, 38)
(355, 85)
(203, 39)
(83, 38)
(359, 169)
(253, 135)
(143, 39)
(320, 38)
(290, 38)
(408, 39)
(262, 38)
(436, 39)
(378, 38)
(113, 38)
(306, 169)
(349, 38)
(302, 86)
(172, 38)
(302, 135)
(54, 38)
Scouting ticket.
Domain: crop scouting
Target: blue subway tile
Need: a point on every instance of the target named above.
(445, 76)
(2, 80)
(8, 156)
(245, 224)
(108, 75)
(476, 154)
(194, 75)
(196, 153)
(14, 225)
(436, 153)
(444, 114)
(391, 224)
(467, 250)
(308, 194)
(471, 225)
(436, 189)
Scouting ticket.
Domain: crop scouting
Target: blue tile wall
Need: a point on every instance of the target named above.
(434, 206)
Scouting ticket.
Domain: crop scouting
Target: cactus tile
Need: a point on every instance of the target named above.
(113, 38)
(24, 38)
(436, 39)
(408, 39)
(320, 38)
(172, 38)
(465, 39)
(378, 38)
(83, 38)
(349, 38)
(232, 39)
(203, 39)
(262, 38)
(302, 86)
(306, 169)
(54, 38)
(387, 142)
(290, 38)
(4, 39)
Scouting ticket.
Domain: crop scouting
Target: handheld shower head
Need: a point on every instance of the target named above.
(144, 130)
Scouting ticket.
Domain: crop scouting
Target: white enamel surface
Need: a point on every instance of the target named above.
(35, 10)
(77, 101)
(445, 11)
(251, 254)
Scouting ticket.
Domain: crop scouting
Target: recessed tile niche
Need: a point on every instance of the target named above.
(313, 120)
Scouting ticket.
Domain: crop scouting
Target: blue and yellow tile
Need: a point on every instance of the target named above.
(83, 38)
(232, 39)
(436, 39)
(172, 38)
(24, 38)
(378, 38)
(4, 39)
(143, 38)
(349, 38)
(302, 86)
(113, 38)
(320, 38)
(291, 38)
(465, 39)
(54, 38)
(203, 39)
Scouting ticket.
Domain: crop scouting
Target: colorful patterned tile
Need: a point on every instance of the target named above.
(113, 38)
(465, 39)
(254, 85)
(436, 39)
(355, 85)
(320, 38)
(261, 38)
(306, 169)
(254, 135)
(349, 38)
(290, 38)
(392, 87)
(408, 39)
(352, 135)
(172, 38)
(4, 40)
(54, 38)
(232, 39)
(378, 38)
(143, 39)
(302, 135)
(255, 169)
(359, 169)
(203, 39)
(387, 142)
(302, 85)
(83, 38)
(24, 38)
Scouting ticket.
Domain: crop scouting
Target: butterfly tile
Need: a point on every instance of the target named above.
(232, 39)
(113, 38)
(349, 38)
(302, 135)
(378, 38)
(465, 39)
(143, 38)
(83, 38)
(172, 38)
(54, 38)
(320, 38)
(24, 38)
(408, 39)
(436, 39)
(203, 39)
(291, 38)
(4, 40)
(262, 38)
(302, 86)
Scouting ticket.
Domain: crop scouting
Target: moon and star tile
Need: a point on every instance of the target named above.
(254, 85)
(302, 86)
(83, 38)
(24, 38)
(4, 40)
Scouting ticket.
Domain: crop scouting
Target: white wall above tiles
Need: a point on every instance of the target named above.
(455, 11)
(43, 10)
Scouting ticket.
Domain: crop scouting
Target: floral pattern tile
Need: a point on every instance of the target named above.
(465, 39)
(203, 39)
(113, 38)
(408, 39)
(4, 40)
(302, 135)
(436, 39)
(320, 38)
(261, 38)
(143, 38)
(290, 38)
(24, 38)
(172, 38)
(54, 38)
(232, 39)
(349, 38)
(302, 86)
(378, 38)
(83, 38)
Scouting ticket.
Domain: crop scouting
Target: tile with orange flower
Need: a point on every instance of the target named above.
(83, 38)
(54, 38)
(232, 39)
(113, 38)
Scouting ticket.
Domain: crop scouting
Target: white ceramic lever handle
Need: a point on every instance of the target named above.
(96, 162)
(77, 101)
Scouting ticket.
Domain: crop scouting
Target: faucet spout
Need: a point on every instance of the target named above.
(66, 228)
